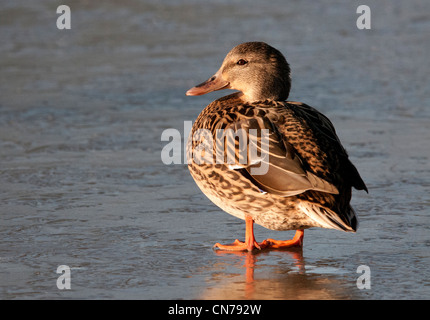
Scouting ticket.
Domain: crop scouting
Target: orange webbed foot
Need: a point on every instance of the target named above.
(241, 246)
(249, 245)
(297, 241)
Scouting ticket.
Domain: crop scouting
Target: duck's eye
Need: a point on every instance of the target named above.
(242, 62)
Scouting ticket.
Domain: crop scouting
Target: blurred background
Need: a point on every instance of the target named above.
(81, 178)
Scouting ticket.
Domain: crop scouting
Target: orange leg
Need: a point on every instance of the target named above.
(297, 241)
(249, 244)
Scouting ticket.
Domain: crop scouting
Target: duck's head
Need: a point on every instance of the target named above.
(256, 69)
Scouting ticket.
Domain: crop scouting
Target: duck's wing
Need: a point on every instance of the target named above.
(271, 162)
(340, 168)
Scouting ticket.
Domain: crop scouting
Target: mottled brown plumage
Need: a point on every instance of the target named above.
(309, 177)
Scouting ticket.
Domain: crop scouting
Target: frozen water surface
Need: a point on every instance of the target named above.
(81, 178)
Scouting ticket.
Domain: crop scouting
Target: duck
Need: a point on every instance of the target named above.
(306, 176)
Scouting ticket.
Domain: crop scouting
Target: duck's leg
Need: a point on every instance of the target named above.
(297, 241)
(249, 244)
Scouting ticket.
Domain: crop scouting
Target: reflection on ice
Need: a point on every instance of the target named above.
(254, 279)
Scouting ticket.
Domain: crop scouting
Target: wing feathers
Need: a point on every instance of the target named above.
(285, 175)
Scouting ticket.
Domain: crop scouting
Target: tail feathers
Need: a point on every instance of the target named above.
(327, 218)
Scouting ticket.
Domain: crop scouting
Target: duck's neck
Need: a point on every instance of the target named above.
(267, 91)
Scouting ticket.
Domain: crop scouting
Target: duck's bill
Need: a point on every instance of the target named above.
(216, 82)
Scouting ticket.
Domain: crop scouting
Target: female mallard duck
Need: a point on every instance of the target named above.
(308, 177)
